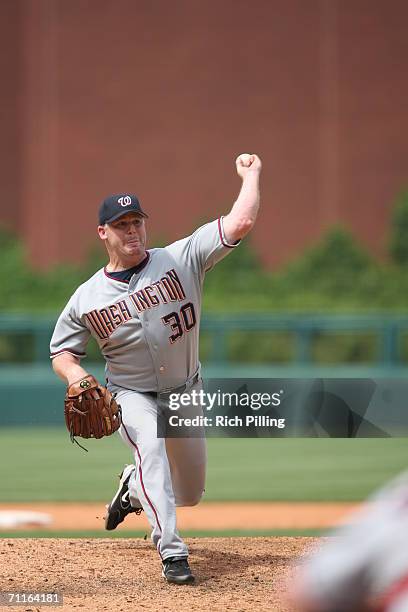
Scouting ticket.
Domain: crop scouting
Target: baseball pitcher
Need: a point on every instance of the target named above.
(143, 308)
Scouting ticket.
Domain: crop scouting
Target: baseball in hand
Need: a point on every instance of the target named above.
(247, 162)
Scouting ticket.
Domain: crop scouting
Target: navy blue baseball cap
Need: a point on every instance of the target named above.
(116, 206)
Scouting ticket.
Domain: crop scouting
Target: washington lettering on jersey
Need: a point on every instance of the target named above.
(106, 320)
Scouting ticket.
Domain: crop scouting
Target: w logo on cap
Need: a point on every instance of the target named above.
(109, 210)
(125, 200)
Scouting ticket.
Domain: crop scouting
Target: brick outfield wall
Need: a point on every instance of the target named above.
(158, 98)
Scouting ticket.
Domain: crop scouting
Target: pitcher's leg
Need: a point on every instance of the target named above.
(188, 462)
(188, 457)
(151, 482)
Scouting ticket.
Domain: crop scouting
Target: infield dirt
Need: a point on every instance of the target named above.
(125, 574)
(206, 516)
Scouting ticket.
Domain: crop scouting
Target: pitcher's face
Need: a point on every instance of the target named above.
(125, 238)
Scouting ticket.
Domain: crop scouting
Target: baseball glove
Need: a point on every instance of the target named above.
(90, 410)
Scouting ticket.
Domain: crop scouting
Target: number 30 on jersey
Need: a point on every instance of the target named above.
(180, 323)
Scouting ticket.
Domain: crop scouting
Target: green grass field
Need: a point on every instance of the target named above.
(42, 464)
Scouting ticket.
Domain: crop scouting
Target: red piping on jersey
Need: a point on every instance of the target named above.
(137, 269)
(141, 477)
(396, 590)
(67, 350)
(229, 246)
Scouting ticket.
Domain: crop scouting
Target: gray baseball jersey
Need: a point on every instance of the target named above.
(147, 329)
(368, 561)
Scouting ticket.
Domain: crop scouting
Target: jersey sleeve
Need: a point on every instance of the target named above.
(367, 556)
(70, 334)
(336, 578)
(205, 247)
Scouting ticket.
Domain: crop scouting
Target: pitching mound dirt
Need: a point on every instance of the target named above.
(125, 575)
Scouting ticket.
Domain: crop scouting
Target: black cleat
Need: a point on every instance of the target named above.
(177, 571)
(120, 505)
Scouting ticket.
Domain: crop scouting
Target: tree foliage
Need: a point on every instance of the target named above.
(336, 275)
(399, 231)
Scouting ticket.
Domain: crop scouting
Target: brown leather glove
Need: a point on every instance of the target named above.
(90, 410)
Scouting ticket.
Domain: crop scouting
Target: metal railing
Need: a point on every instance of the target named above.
(388, 330)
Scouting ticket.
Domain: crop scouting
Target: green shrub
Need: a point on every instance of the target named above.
(335, 267)
(399, 231)
(336, 275)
